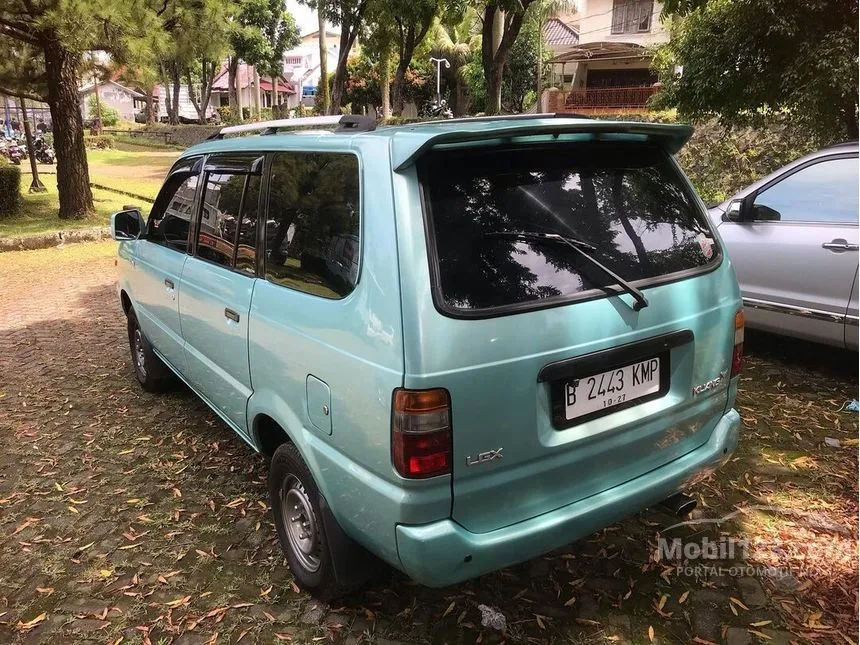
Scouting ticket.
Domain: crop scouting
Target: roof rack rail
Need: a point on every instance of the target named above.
(345, 123)
(507, 117)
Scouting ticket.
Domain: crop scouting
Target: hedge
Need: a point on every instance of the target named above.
(10, 189)
(98, 141)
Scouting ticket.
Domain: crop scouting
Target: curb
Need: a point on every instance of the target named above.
(54, 238)
(121, 192)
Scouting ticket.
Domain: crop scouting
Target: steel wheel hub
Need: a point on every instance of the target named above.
(139, 356)
(300, 523)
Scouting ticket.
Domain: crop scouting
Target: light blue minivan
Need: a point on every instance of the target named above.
(460, 344)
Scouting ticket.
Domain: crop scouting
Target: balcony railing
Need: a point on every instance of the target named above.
(608, 98)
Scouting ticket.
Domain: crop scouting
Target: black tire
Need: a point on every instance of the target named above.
(294, 495)
(150, 371)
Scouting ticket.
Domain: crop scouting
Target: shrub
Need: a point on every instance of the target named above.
(226, 114)
(10, 189)
(98, 141)
(720, 161)
(110, 116)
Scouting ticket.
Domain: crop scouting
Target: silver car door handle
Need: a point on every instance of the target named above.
(232, 315)
(168, 283)
(839, 244)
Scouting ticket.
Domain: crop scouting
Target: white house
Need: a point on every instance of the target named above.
(123, 99)
(609, 70)
(302, 63)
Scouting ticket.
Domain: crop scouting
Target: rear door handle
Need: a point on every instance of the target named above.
(232, 315)
(168, 283)
(839, 244)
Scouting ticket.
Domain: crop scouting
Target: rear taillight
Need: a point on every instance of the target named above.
(421, 433)
(738, 351)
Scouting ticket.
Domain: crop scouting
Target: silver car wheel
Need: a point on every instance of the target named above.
(139, 355)
(300, 523)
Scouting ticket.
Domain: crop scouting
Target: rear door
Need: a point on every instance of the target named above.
(159, 259)
(796, 271)
(560, 387)
(218, 282)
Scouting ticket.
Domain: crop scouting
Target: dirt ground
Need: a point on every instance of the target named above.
(129, 517)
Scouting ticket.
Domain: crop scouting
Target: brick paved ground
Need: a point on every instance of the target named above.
(128, 517)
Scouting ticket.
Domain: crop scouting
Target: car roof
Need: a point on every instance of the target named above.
(407, 142)
(839, 148)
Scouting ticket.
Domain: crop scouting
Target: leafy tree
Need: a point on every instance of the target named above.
(453, 38)
(412, 20)
(322, 97)
(262, 32)
(538, 15)
(349, 16)
(518, 83)
(379, 36)
(502, 22)
(742, 60)
(55, 34)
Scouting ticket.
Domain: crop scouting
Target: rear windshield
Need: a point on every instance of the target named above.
(625, 200)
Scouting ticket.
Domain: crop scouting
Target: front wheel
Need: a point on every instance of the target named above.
(299, 521)
(151, 372)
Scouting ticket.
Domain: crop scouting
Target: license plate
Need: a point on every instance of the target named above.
(598, 392)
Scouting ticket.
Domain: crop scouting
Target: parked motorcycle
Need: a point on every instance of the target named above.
(43, 152)
(438, 110)
(14, 151)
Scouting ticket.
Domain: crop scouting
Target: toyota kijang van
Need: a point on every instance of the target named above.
(460, 344)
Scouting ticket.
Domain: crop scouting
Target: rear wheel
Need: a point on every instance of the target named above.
(299, 521)
(151, 372)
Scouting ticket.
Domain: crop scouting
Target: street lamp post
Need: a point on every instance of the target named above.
(439, 62)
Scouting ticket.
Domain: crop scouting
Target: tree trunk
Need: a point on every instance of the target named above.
(36, 186)
(240, 108)
(397, 86)
(349, 30)
(256, 94)
(275, 103)
(321, 101)
(73, 186)
(150, 108)
(192, 96)
(97, 122)
(494, 89)
(385, 78)
(177, 84)
(495, 56)
(539, 62)
(498, 29)
(168, 99)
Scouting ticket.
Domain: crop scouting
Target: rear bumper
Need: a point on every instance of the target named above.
(444, 553)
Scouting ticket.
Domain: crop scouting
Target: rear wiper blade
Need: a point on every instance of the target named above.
(580, 247)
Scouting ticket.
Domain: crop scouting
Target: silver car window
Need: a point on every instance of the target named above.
(823, 192)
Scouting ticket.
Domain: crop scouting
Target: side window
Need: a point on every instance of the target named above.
(823, 192)
(172, 212)
(219, 217)
(312, 227)
(246, 248)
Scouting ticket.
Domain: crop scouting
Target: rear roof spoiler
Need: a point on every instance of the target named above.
(407, 146)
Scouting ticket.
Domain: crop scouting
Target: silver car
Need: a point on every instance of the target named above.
(793, 241)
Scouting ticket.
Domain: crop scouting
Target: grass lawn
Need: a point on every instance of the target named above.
(140, 172)
(38, 213)
(135, 171)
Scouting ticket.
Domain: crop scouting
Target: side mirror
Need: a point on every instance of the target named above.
(126, 225)
(733, 212)
(741, 210)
